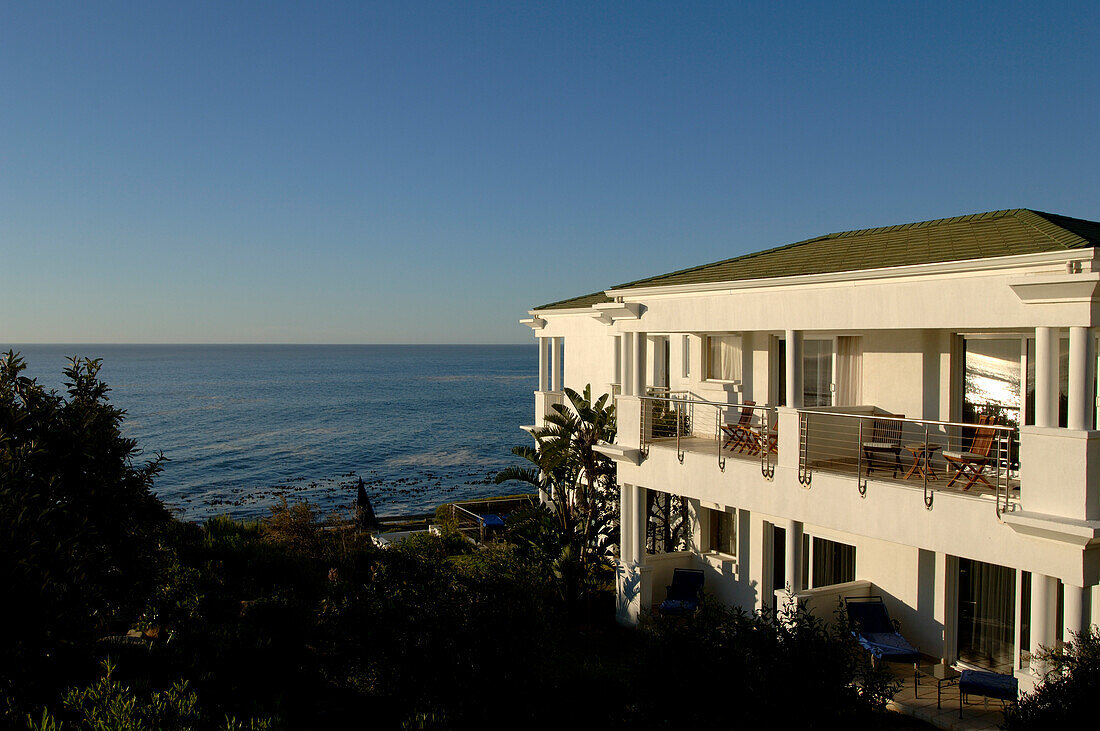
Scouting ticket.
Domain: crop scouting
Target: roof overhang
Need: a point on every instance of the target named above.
(535, 323)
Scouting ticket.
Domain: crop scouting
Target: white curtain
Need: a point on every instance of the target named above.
(724, 357)
(849, 366)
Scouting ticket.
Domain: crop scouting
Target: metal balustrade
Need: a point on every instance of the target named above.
(698, 425)
(868, 443)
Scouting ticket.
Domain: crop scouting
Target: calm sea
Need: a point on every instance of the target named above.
(245, 424)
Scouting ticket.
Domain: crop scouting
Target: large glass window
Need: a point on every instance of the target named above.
(724, 357)
(986, 615)
(991, 380)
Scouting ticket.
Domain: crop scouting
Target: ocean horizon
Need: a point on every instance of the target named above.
(245, 425)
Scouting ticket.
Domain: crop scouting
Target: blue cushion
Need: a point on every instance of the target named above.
(492, 521)
(991, 685)
(888, 646)
(679, 606)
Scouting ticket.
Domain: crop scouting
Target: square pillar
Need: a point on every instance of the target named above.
(947, 603)
(1076, 601)
(626, 364)
(639, 361)
(638, 524)
(626, 506)
(555, 364)
(794, 368)
(793, 556)
(544, 352)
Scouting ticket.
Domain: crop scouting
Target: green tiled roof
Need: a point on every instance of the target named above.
(976, 236)
(585, 300)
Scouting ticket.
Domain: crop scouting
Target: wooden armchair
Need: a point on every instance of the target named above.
(969, 464)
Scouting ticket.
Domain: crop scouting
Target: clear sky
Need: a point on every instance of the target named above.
(408, 172)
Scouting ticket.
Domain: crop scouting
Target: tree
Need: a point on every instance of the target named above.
(580, 485)
(78, 524)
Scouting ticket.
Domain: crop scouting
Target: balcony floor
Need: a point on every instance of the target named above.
(702, 445)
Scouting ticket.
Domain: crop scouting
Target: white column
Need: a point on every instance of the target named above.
(1042, 618)
(626, 492)
(555, 364)
(640, 341)
(1081, 362)
(1046, 376)
(1075, 611)
(794, 369)
(793, 555)
(543, 352)
(637, 547)
(626, 375)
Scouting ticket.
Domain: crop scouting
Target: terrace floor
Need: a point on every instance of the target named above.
(978, 714)
(702, 445)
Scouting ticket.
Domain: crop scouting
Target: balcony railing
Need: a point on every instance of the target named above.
(698, 425)
(979, 458)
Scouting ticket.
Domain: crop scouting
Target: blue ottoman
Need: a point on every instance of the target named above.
(990, 685)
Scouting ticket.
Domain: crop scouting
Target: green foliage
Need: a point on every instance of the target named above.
(79, 528)
(664, 418)
(302, 622)
(1066, 698)
(108, 705)
(761, 660)
(297, 525)
(582, 509)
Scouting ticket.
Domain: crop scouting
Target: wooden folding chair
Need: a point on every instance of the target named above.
(740, 436)
(969, 464)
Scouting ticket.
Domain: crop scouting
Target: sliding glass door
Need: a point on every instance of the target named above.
(986, 615)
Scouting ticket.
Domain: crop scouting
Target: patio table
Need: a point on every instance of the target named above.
(922, 456)
(942, 674)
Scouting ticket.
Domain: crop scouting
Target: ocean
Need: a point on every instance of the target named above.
(244, 425)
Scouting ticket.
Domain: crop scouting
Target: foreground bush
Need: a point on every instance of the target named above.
(302, 622)
(108, 705)
(1067, 696)
(766, 665)
(79, 527)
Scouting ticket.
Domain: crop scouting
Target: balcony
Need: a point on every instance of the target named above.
(867, 443)
(682, 421)
(861, 442)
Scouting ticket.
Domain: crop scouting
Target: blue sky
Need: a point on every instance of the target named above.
(407, 172)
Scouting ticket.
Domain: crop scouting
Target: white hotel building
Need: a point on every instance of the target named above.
(870, 357)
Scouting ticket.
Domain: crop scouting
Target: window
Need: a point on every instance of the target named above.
(991, 379)
(826, 562)
(724, 358)
(723, 532)
(687, 356)
(817, 373)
